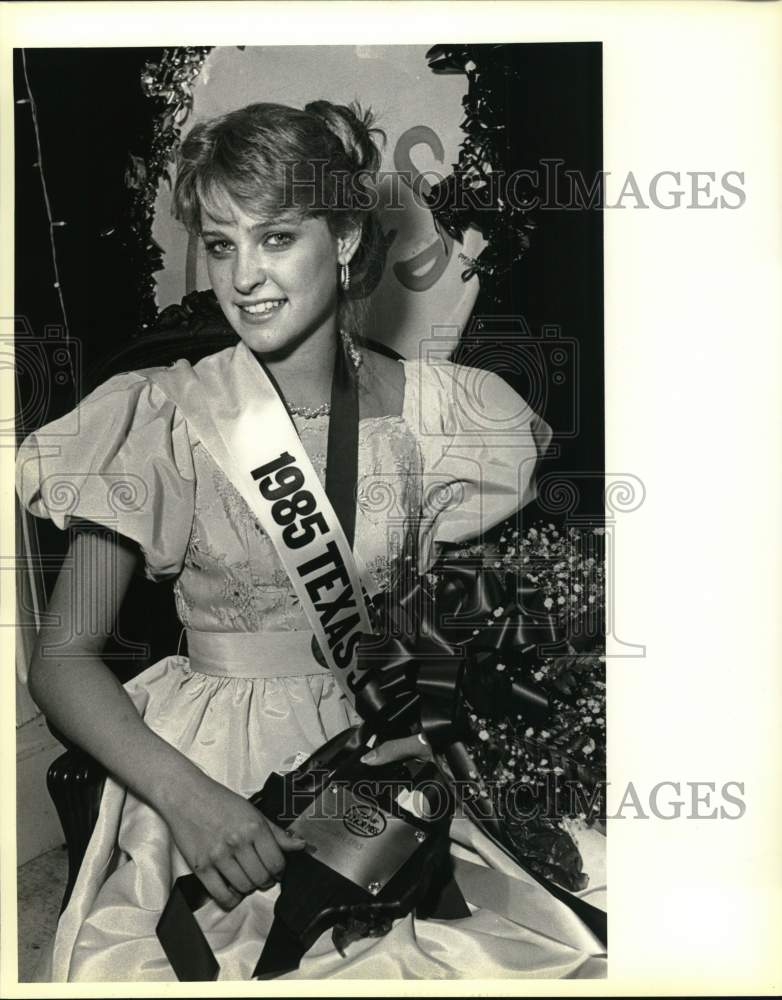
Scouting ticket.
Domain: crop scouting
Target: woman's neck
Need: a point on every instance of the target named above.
(304, 375)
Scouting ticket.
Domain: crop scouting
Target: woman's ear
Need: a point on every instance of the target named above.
(347, 244)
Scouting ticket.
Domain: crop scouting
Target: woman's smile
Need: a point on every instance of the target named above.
(260, 312)
(275, 279)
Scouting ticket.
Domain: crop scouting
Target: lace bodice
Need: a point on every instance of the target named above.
(232, 578)
(458, 459)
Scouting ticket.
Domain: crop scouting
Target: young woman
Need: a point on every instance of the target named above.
(280, 198)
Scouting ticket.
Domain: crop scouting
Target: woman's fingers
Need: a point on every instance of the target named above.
(402, 749)
(234, 874)
(255, 870)
(262, 860)
(246, 860)
(285, 839)
(217, 888)
(269, 851)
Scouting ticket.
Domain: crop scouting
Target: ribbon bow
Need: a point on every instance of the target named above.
(439, 640)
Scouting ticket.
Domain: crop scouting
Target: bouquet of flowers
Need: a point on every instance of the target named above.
(544, 776)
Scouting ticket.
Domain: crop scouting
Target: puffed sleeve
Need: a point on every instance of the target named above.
(480, 442)
(123, 459)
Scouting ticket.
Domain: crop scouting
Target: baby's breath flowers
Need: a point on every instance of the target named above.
(542, 776)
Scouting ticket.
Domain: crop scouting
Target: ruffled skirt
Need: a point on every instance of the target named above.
(236, 713)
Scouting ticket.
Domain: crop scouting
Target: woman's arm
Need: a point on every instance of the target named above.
(227, 842)
(72, 685)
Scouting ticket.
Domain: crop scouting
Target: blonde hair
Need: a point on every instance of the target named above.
(321, 161)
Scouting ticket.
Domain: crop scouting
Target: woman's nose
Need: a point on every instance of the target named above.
(248, 273)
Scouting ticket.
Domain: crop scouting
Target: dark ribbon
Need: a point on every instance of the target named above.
(342, 443)
(436, 644)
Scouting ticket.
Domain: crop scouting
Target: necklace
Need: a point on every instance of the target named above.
(324, 409)
(310, 412)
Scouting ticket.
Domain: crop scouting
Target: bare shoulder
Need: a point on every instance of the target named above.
(382, 380)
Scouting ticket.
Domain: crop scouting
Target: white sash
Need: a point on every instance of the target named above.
(233, 408)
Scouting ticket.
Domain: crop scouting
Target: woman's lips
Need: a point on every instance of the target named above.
(260, 312)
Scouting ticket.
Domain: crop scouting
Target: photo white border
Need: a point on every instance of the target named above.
(693, 407)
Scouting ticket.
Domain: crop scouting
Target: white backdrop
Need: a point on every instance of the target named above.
(420, 112)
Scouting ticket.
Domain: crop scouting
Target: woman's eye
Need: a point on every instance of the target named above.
(218, 248)
(279, 239)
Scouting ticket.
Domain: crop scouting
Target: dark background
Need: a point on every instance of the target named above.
(92, 114)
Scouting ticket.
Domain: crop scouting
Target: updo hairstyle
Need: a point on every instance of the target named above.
(321, 161)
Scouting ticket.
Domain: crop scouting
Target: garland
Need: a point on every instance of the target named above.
(477, 194)
(169, 83)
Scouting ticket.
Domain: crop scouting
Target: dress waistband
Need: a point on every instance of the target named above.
(253, 654)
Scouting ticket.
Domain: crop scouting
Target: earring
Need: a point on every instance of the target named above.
(354, 355)
(344, 276)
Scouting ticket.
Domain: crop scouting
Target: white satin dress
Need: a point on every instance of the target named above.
(250, 698)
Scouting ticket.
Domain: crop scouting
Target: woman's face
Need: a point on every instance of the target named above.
(275, 280)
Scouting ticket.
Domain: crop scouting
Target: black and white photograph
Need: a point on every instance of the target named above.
(327, 661)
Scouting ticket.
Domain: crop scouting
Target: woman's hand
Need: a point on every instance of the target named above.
(229, 844)
(402, 749)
